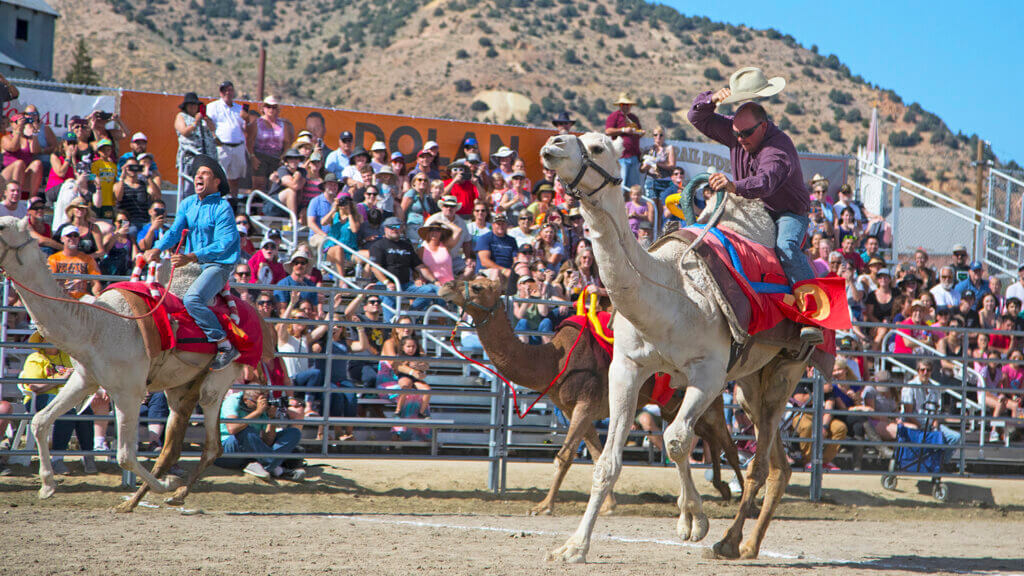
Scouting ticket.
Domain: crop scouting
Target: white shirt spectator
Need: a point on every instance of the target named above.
(1016, 290)
(230, 126)
(943, 297)
(337, 161)
(522, 238)
(352, 172)
(19, 211)
(67, 193)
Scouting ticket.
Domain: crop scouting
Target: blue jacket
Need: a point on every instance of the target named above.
(212, 235)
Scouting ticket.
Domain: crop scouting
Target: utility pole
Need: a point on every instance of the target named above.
(979, 166)
(261, 73)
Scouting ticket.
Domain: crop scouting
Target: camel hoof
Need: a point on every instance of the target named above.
(570, 553)
(542, 510)
(748, 551)
(699, 528)
(46, 490)
(722, 551)
(683, 526)
(124, 507)
(726, 493)
(174, 501)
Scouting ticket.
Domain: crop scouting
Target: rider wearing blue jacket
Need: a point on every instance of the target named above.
(213, 243)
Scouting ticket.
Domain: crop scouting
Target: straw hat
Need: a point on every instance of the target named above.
(750, 82)
(819, 179)
(424, 232)
(625, 98)
(76, 202)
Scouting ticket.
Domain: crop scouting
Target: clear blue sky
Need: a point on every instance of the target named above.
(960, 60)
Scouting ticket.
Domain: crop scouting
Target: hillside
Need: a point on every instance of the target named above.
(452, 58)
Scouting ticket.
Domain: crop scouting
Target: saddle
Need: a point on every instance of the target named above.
(171, 326)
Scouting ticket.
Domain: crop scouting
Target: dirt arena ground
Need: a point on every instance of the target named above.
(418, 517)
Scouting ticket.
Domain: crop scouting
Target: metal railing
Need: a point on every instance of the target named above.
(258, 219)
(324, 264)
(1005, 203)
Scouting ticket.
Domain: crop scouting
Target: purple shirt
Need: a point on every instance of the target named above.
(630, 142)
(772, 173)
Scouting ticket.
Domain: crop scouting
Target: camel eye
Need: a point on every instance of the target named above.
(475, 288)
(596, 149)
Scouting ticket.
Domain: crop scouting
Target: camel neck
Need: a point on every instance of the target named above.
(72, 328)
(533, 366)
(619, 258)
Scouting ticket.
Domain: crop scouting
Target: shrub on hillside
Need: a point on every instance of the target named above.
(628, 50)
(794, 109)
(491, 52)
(840, 97)
(667, 103)
(461, 54)
(712, 73)
(463, 85)
(570, 57)
(918, 175)
(901, 139)
(479, 106)
(666, 118)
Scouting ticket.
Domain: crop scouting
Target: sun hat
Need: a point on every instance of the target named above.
(876, 260)
(517, 174)
(458, 163)
(562, 118)
(625, 98)
(271, 101)
(819, 179)
(292, 153)
(750, 82)
(386, 170)
(359, 151)
(504, 152)
(329, 177)
(139, 136)
(378, 145)
(449, 200)
(303, 140)
(190, 98)
(473, 159)
(424, 232)
(75, 203)
(267, 240)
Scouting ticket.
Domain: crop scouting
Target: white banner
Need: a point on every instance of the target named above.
(56, 108)
(696, 157)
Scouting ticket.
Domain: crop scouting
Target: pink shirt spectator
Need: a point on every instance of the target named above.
(439, 263)
(277, 270)
(902, 346)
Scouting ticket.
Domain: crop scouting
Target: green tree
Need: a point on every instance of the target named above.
(81, 71)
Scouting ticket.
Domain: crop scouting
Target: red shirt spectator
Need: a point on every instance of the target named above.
(464, 190)
(623, 118)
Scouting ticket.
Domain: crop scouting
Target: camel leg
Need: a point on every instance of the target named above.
(625, 378)
(778, 479)
(126, 405)
(706, 379)
(71, 395)
(594, 445)
(181, 401)
(711, 428)
(580, 420)
(212, 392)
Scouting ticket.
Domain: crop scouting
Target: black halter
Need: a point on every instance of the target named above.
(490, 311)
(17, 250)
(588, 162)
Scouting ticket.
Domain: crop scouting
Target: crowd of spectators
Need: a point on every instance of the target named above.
(370, 218)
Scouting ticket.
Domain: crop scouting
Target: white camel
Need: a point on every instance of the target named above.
(667, 321)
(108, 351)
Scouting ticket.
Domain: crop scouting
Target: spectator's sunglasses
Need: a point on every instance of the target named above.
(748, 132)
(265, 302)
(370, 193)
(924, 370)
(242, 273)
(373, 302)
(270, 247)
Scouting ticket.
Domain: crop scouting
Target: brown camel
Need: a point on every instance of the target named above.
(582, 392)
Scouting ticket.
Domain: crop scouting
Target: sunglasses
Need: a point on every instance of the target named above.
(270, 247)
(242, 273)
(746, 133)
(265, 302)
(346, 139)
(923, 370)
(374, 302)
(479, 211)
(300, 262)
(73, 235)
(369, 194)
(273, 106)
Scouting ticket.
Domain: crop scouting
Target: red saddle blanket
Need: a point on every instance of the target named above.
(757, 272)
(246, 336)
(662, 382)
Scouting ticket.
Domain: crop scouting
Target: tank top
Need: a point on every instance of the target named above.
(135, 203)
(291, 364)
(118, 261)
(24, 154)
(54, 180)
(439, 262)
(269, 138)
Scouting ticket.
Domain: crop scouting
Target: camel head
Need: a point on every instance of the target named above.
(478, 297)
(15, 240)
(582, 160)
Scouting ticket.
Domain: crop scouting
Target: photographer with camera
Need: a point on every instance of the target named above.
(462, 186)
(20, 148)
(253, 437)
(342, 224)
(157, 226)
(133, 196)
(62, 166)
(195, 136)
(98, 122)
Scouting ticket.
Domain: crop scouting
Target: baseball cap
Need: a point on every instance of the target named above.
(525, 279)
(470, 142)
(226, 84)
(378, 145)
(499, 217)
(274, 233)
(139, 136)
(68, 231)
(1021, 267)
(430, 144)
(268, 240)
(424, 152)
(392, 222)
(104, 142)
(884, 272)
(518, 174)
(503, 152)
(959, 248)
(396, 155)
(975, 266)
(346, 135)
(143, 156)
(37, 204)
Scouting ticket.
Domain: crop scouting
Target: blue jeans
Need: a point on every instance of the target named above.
(654, 188)
(311, 377)
(62, 429)
(949, 436)
(417, 304)
(197, 300)
(629, 170)
(248, 440)
(545, 326)
(343, 404)
(789, 240)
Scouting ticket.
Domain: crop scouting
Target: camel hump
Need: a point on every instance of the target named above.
(147, 326)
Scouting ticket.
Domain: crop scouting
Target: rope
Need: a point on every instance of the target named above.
(515, 398)
(101, 308)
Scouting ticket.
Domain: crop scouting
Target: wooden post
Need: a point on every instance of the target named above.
(978, 176)
(261, 73)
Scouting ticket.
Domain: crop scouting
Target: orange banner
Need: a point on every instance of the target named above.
(154, 115)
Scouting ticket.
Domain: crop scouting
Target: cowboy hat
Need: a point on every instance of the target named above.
(563, 118)
(202, 160)
(190, 98)
(504, 152)
(819, 179)
(293, 153)
(75, 203)
(750, 82)
(270, 101)
(450, 200)
(625, 98)
(424, 231)
(300, 252)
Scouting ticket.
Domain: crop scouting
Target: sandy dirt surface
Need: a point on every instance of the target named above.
(420, 517)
